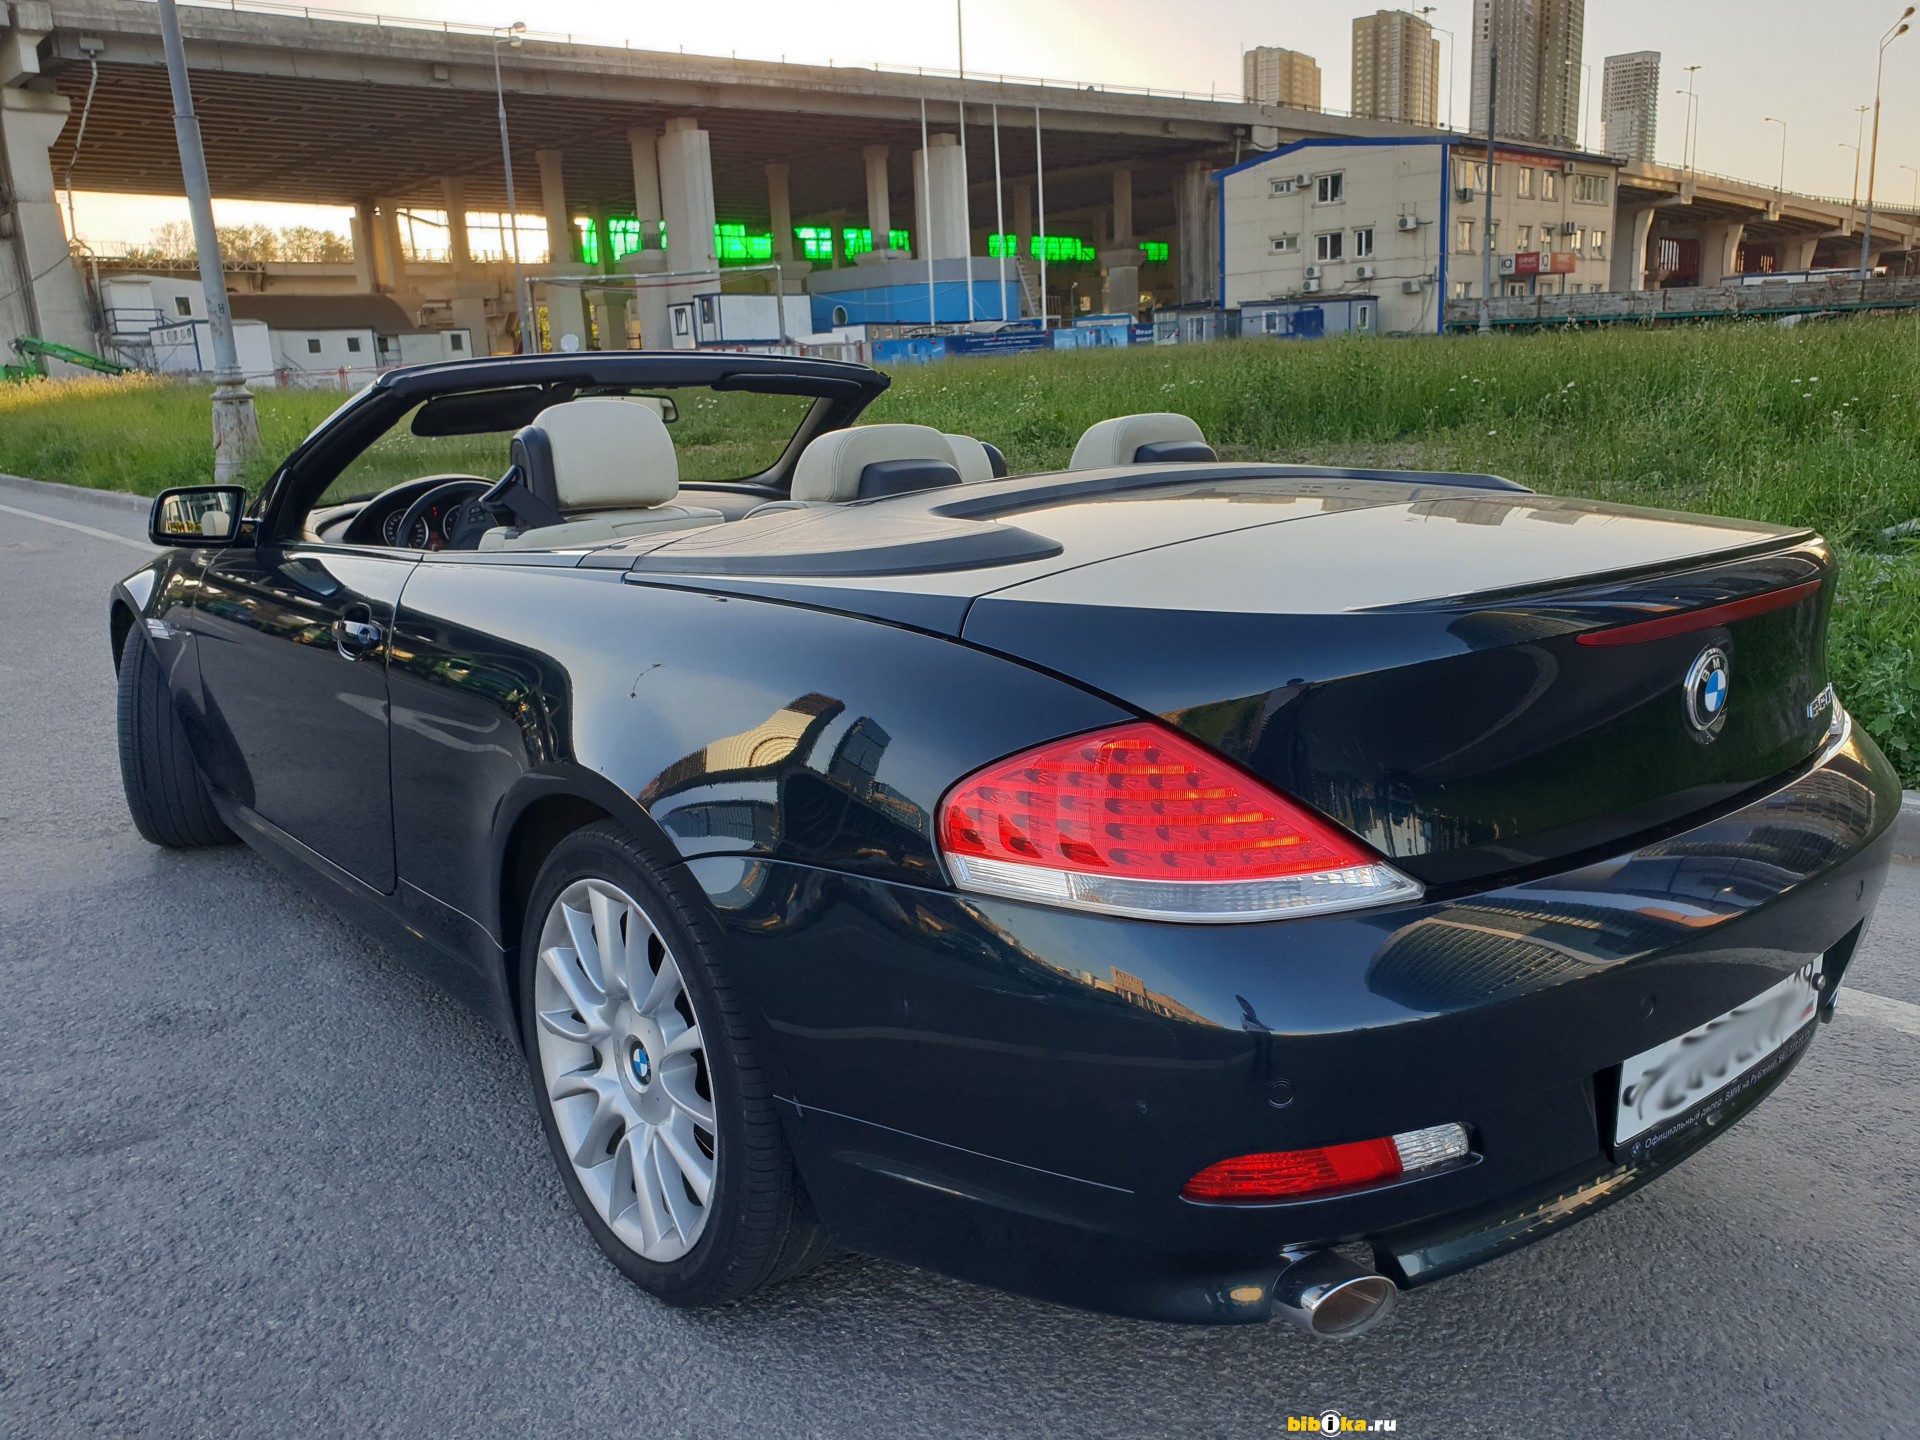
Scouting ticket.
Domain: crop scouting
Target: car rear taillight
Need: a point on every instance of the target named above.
(1138, 820)
(1291, 1174)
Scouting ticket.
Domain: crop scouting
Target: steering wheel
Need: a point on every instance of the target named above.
(472, 523)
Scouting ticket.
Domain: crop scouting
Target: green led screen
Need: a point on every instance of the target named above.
(733, 244)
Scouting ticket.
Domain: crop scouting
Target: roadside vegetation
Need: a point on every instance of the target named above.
(1818, 425)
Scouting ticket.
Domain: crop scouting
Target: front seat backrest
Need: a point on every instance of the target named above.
(598, 453)
(1140, 440)
(975, 459)
(869, 461)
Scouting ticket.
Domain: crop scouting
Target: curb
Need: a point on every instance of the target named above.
(118, 500)
(1906, 827)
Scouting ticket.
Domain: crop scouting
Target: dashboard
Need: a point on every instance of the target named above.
(377, 521)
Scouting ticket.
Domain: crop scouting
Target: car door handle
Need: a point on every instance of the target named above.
(354, 638)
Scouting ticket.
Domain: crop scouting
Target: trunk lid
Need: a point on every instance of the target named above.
(1409, 659)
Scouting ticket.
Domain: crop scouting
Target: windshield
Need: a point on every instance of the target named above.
(718, 436)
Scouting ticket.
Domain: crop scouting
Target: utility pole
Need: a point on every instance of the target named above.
(1873, 153)
(236, 428)
(522, 297)
(1486, 235)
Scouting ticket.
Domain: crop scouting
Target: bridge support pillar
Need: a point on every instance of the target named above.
(459, 252)
(43, 292)
(1629, 266)
(685, 156)
(392, 255)
(943, 228)
(366, 269)
(1196, 248)
(1120, 272)
(1796, 253)
(1720, 250)
(566, 308)
(879, 198)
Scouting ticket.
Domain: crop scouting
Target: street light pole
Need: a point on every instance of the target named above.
(1689, 142)
(236, 428)
(1423, 12)
(522, 301)
(1915, 207)
(1486, 237)
(1780, 190)
(1900, 28)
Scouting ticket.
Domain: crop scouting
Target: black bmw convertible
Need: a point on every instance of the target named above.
(1189, 889)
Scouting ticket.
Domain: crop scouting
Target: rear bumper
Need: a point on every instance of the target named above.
(1015, 1095)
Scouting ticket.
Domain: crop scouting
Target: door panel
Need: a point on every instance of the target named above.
(293, 658)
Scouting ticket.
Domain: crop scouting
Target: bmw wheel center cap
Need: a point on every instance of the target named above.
(1706, 690)
(642, 1066)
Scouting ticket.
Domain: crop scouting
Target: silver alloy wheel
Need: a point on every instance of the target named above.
(626, 1069)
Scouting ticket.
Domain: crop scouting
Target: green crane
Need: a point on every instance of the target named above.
(35, 352)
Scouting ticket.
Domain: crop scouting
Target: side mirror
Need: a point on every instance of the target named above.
(197, 515)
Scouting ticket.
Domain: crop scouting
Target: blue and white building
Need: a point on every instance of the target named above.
(1402, 222)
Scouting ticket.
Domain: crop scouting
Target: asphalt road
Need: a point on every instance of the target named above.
(257, 1179)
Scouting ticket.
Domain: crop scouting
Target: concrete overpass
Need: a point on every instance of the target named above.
(389, 115)
(1727, 216)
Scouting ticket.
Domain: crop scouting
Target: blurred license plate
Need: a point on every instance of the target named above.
(1677, 1075)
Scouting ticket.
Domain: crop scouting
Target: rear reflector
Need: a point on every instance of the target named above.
(1290, 1174)
(1641, 631)
(1138, 820)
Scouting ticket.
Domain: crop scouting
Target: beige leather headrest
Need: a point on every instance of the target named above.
(829, 469)
(610, 454)
(1112, 442)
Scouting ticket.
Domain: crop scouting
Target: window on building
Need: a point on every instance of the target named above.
(1472, 175)
(1285, 244)
(1329, 246)
(182, 305)
(353, 344)
(313, 345)
(1524, 183)
(1598, 239)
(1526, 237)
(1363, 244)
(1463, 289)
(1463, 238)
(1330, 189)
(1286, 186)
(1363, 318)
(456, 341)
(1549, 184)
(1493, 235)
(1516, 287)
(1579, 238)
(1590, 189)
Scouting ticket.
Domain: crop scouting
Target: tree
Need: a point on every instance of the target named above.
(243, 244)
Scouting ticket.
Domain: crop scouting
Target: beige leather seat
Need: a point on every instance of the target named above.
(1162, 438)
(608, 465)
(868, 462)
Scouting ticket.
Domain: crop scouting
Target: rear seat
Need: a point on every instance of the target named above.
(867, 462)
(1156, 439)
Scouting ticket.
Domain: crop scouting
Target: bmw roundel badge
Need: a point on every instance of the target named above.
(1705, 692)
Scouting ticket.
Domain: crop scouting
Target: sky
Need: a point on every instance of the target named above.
(1807, 65)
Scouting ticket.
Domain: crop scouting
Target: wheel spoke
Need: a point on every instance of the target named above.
(665, 989)
(649, 1202)
(678, 1085)
(676, 1138)
(586, 950)
(685, 1043)
(686, 1215)
(564, 1024)
(582, 990)
(609, 946)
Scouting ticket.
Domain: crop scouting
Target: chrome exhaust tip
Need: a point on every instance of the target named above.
(1328, 1295)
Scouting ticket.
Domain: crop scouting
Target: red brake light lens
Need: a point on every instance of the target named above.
(1290, 1174)
(1140, 820)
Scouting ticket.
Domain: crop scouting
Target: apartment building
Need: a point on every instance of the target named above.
(1630, 103)
(1541, 44)
(1273, 76)
(1396, 68)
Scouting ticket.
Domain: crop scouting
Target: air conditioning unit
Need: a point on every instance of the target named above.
(1299, 179)
(1310, 287)
(1412, 287)
(1566, 167)
(1313, 272)
(1465, 192)
(1408, 222)
(1364, 272)
(1568, 227)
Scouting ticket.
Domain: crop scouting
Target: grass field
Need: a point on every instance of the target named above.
(1817, 425)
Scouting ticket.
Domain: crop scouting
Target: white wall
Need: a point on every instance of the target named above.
(187, 348)
(296, 350)
(135, 303)
(1379, 185)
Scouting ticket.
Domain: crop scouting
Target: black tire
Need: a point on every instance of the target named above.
(760, 1227)
(165, 792)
